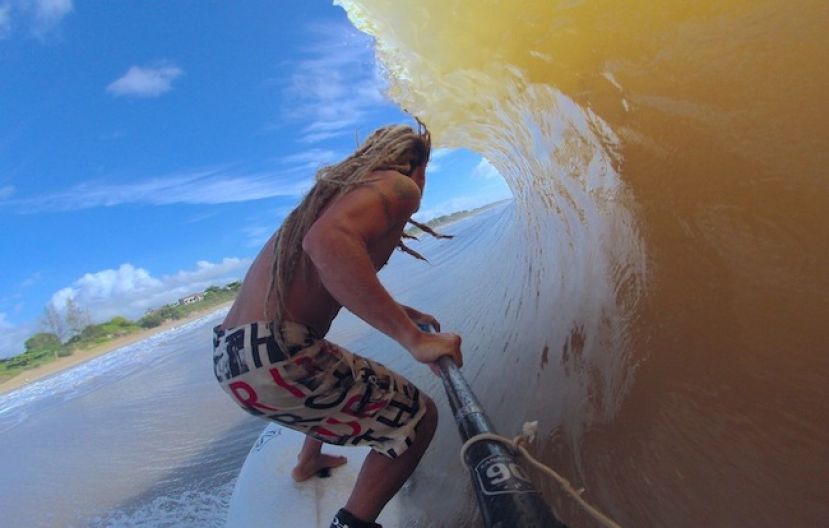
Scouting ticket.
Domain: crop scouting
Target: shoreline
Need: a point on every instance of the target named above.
(82, 356)
(463, 215)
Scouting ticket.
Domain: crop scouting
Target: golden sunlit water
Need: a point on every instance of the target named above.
(668, 161)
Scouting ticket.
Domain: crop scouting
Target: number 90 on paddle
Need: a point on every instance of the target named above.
(498, 474)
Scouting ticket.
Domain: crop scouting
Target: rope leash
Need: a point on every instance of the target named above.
(517, 444)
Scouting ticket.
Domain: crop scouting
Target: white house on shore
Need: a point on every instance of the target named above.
(190, 299)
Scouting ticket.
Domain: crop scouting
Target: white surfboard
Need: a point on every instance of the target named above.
(266, 496)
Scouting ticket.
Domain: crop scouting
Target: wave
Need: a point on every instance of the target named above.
(668, 246)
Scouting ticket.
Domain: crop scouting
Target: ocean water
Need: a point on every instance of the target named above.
(139, 437)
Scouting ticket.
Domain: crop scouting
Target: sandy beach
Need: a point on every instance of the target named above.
(81, 356)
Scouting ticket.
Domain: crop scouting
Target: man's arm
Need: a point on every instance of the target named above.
(421, 318)
(338, 245)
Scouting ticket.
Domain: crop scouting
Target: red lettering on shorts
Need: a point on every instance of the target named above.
(277, 377)
(324, 432)
(250, 398)
(368, 411)
(355, 428)
(307, 364)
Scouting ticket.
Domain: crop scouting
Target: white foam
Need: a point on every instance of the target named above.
(190, 508)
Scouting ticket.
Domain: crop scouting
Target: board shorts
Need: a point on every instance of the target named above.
(316, 387)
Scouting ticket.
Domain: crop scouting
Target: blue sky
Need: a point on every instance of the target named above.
(147, 150)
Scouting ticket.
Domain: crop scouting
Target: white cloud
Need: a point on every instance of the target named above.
(311, 159)
(257, 234)
(437, 157)
(440, 153)
(200, 217)
(145, 82)
(484, 170)
(336, 86)
(291, 176)
(259, 228)
(206, 186)
(40, 16)
(49, 13)
(131, 291)
(5, 20)
(31, 280)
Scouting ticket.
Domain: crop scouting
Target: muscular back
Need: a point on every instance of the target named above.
(367, 220)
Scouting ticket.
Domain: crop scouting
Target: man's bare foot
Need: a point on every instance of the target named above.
(306, 470)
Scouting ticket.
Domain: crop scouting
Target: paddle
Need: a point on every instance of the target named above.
(506, 497)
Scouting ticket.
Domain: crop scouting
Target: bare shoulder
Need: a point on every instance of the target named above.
(398, 188)
(384, 200)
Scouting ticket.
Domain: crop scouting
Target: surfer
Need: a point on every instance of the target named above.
(270, 352)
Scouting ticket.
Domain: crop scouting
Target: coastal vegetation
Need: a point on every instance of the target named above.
(71, 331)
(445, 219)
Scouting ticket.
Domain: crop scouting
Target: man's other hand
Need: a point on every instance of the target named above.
(428, 347)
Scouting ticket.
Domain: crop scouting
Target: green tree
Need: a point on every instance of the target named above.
(76, 317)
(54, 322)
(120, 320)
(151, 320)
(167, 312)
(42, 341)
(89, 333)
(40, 345)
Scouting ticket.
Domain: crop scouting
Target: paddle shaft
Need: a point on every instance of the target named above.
(506, 497)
